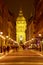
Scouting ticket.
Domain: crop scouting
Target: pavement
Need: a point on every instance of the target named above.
(24, 57)
(2, 55)
(26, 53)
(38, 52)
(22, 53)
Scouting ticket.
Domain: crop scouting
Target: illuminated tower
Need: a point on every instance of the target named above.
(20, 28)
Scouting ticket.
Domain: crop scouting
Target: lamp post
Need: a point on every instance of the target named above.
(7, 39)
(40, 36)
(1, 40)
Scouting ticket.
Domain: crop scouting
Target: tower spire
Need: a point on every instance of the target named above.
(20, 12)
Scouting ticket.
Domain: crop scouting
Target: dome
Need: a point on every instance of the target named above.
(21, 18)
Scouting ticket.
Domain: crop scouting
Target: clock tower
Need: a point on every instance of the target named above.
(20, 28)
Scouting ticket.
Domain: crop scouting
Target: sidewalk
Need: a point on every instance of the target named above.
(38, 52)
(1, 54)
(4, 54)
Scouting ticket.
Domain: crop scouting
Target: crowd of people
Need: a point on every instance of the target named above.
(12, 46)
(16, 47)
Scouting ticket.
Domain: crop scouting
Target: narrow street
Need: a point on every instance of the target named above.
(21, 32)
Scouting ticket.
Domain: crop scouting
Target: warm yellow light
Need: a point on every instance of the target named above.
(42, 41)
(21, 38)
(2, 37)
(40, 35)
(20, 28)
(1, 33)
(7, 36)
(32, 39)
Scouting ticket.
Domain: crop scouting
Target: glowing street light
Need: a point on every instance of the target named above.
(1, 40)
(1, 33)
(32, 38)
(7, 36)
(40, 35)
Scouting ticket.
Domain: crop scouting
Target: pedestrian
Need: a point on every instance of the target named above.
(4, 49)
(8, 48)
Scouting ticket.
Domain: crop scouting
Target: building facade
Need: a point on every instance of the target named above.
(6, 23)
(38, 20)
(20, 28)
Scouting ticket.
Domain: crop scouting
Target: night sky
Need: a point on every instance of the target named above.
(26, 5)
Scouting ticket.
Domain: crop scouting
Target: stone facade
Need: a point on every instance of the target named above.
(6, 21)
(38, 17)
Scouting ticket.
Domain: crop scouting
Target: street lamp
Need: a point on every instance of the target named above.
(1, 40)
(1, 33)
(6, 41)
(40, 35)
(40, 38)
(7, 36)
(32, 39)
